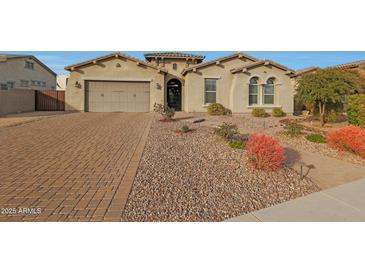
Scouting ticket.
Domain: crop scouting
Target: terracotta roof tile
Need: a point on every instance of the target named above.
(353, 64)
(173, 55)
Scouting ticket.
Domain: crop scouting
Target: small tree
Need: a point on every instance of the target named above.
(327, 86)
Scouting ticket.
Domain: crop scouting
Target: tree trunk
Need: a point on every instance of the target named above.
(322, 109)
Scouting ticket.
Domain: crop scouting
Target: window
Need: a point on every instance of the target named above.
(10, 84)
(253, 96)
(33, 83)
(43, 84)
(3, 86)
(29, 65)
(24, 83)
(269, 92)
(210, 90)
(174, 66)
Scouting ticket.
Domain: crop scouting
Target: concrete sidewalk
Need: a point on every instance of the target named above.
(342, 203)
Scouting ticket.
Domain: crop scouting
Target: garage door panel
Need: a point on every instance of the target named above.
(106, 96)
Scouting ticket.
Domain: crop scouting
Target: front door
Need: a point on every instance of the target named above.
(174, 94)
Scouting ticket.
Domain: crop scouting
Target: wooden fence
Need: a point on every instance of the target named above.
(50, 100)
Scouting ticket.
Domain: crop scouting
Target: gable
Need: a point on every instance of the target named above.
(116, 56)
(245, 58)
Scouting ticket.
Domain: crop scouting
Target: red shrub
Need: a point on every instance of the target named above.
(264, 152)
(350, 138)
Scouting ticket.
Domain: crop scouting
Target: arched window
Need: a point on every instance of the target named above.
(269, 91)
(253, 93)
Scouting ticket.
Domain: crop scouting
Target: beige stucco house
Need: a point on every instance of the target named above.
(19, 71)
(118, 82)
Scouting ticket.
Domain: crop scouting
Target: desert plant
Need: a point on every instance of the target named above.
(226, 130)
(264, 152)
(326, 87)
(293, 129)
(237, 144)
(227, 112)
(218, 109)
(316, 138)
(215, 109)
(349, 138)
(166, 112)
(185, 128)
(259, 112)
(356, 110)
(278, 112)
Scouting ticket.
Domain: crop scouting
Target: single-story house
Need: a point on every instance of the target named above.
(119, 82)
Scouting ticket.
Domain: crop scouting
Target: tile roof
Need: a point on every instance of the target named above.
(259, 63)
(305, 70)
(13, 56)
(173, 55)
(114, 54)
(353, 64)
(223, 58)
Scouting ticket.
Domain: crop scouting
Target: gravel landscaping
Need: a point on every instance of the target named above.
(196, 176)
(302, 144)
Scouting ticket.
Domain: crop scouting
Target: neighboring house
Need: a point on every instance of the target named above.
(25, 72)
(62, 80)
(118, 82)
(358, 66)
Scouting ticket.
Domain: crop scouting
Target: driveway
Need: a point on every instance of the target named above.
(74, 167)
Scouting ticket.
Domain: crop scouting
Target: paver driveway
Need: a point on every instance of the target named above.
(70, 167)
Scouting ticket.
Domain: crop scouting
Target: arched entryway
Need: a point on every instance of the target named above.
(174, 94)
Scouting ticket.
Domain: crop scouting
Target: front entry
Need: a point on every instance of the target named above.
(174, 94)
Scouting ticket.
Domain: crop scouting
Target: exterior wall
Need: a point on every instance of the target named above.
(113, 69)
(14, 70)
(167, 63)
(194, 84)
(62, 81)
(284, 90)
(16, 101)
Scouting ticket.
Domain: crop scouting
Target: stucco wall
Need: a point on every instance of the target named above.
(194, 84)
(283, 89)
(14, 70)
(16, 101)
(109, 70)
(232, 89)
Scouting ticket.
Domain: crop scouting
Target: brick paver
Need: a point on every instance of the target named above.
(70, 167)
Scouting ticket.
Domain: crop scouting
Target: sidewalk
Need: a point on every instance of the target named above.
(342, 203)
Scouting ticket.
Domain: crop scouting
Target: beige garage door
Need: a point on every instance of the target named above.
(106, 96)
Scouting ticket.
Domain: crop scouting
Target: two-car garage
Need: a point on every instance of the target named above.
(117, 96)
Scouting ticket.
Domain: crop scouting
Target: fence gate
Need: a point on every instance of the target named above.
(50, 100)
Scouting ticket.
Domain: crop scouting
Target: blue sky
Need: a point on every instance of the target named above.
(57, 60)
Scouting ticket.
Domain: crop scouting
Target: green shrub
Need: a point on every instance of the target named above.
(218, 109)
(237, 144)
(316, 138)
(185, 128)
(293, 129)
(226, 130)
(278, 112)
(356, 110)
(166, 112)
(259, 112)
(227, 111)
(215, 109)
